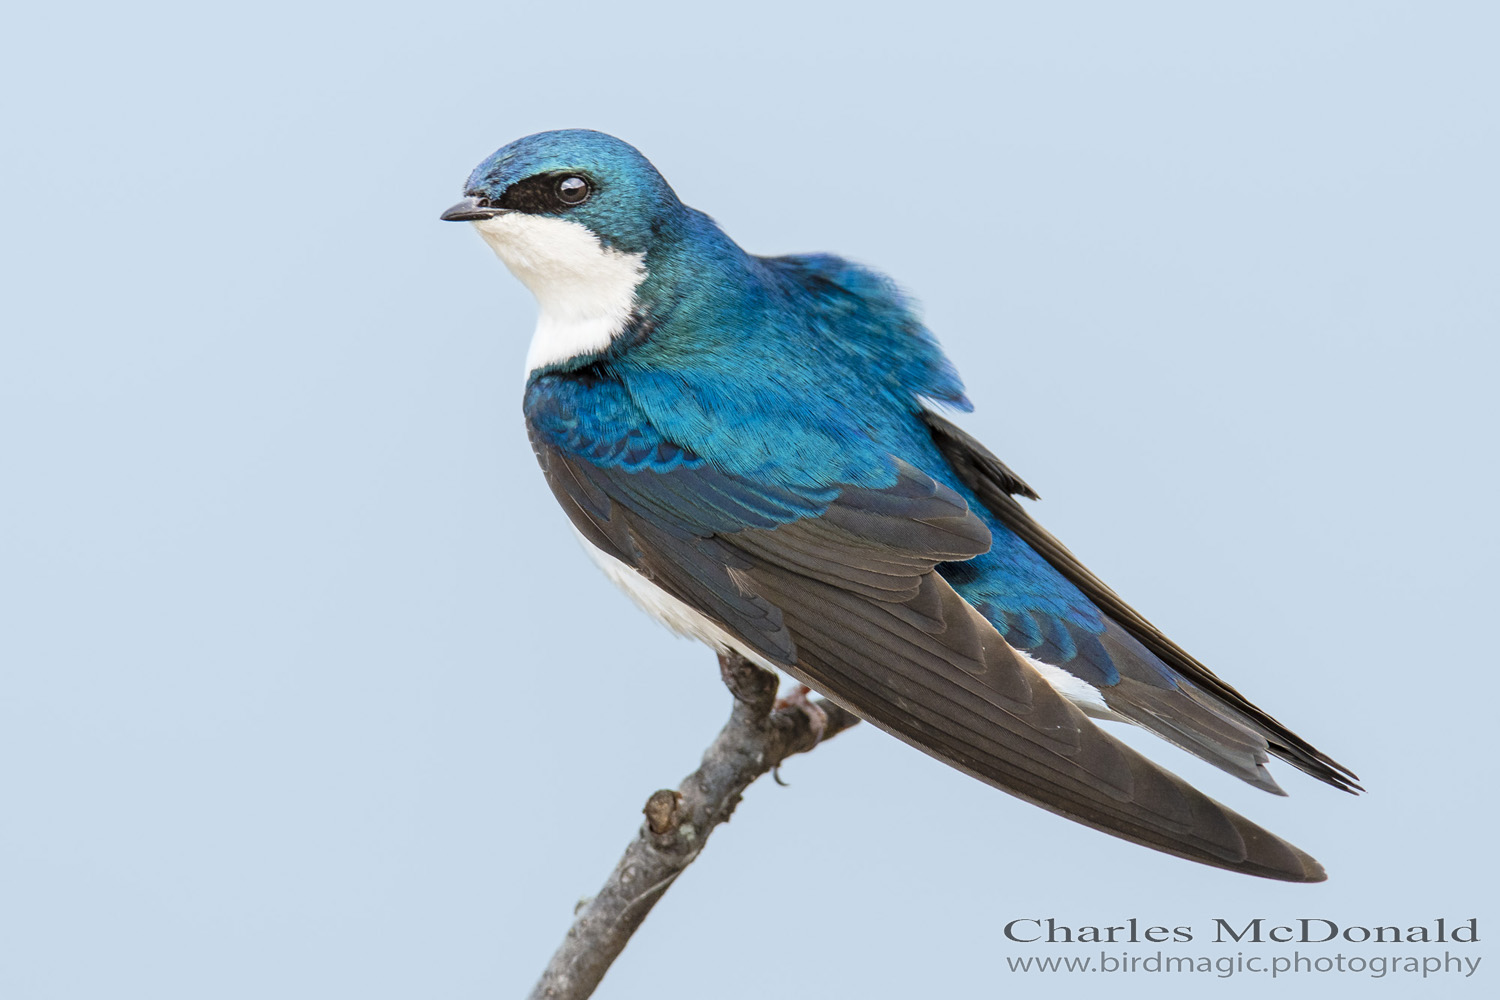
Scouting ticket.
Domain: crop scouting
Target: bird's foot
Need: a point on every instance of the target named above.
(817, 718)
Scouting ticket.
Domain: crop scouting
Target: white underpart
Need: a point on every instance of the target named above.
(671, 612)
(1080, 692)
(685, 621)
(584, 291)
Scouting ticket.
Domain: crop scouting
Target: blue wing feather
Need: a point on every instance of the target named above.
(838, 585)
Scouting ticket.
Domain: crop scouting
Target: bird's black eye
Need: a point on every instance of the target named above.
(572, 190)
(543, 194)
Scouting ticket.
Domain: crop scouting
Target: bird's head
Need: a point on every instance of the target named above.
(541, 194)
(574, 214)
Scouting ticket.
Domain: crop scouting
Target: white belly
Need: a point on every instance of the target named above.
(688, 621)
(675, 614)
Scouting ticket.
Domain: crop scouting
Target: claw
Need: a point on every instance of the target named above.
(817, 719)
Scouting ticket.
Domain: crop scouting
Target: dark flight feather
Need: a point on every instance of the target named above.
(1201, 720)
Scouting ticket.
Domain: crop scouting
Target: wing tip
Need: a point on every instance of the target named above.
(1273, 858)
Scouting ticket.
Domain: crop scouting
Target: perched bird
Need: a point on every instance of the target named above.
(747, 446)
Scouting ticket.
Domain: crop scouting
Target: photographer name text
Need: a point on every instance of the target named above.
(1256, 930)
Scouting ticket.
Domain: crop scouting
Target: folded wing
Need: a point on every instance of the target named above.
(838, 588)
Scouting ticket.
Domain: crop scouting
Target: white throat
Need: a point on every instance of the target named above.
(585, 292)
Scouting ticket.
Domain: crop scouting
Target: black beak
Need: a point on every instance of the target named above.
(472, 209)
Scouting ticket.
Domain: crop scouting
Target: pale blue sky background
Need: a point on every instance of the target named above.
(307, 690)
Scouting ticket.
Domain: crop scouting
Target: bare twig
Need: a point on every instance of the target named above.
(760, 734)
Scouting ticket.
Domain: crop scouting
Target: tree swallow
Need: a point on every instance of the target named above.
(748, 446)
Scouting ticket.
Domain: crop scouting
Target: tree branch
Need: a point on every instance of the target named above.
(760, 734)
